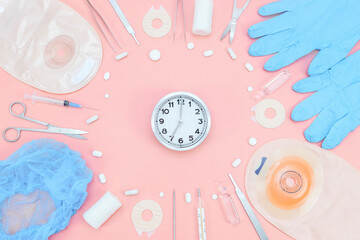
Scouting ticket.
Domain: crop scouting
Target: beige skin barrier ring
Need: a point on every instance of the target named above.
(146, 226)
(260, 113)
(160, 14)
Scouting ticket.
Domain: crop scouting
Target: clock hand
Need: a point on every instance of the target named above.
(181, 112)
(180, 120)
(177, 127)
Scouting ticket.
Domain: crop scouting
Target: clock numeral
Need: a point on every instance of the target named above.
(200, 121)
(191, 138)
(164, 131)
(197, 131)
(181, 140)
(171, 104)
(171, 138)
(197, 111)
(161, 121)
(190, 104)
(179, 101)
(165, 111)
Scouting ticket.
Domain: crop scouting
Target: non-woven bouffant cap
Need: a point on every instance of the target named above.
(42, 185)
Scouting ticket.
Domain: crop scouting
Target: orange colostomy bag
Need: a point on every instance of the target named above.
(47, 45)
(305, 191)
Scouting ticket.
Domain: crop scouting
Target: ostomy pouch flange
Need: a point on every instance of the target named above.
(47, 45)
(305, 191)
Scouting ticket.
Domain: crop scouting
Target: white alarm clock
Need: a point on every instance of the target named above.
(181, 121)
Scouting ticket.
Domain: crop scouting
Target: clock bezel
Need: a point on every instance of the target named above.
(205, 110)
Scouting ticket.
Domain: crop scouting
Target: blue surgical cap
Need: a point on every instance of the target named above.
(42, 185)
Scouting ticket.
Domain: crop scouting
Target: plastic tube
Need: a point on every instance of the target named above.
(228, 205)
(274, 84)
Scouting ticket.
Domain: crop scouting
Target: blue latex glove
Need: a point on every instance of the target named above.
(336, 101)
(331, 26)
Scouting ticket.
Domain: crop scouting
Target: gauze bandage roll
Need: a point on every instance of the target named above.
(203, 17)
(102, 210)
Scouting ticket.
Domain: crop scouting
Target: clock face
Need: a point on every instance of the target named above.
(181, 121)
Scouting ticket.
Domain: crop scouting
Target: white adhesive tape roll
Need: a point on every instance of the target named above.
(263, 120)
(160, 14)
(203, 14)
(102, 210)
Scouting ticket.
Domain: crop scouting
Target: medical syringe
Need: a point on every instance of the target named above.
(201, 219)
(274, 84)
(65, 103)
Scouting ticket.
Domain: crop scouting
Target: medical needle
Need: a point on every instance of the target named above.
(174, 219)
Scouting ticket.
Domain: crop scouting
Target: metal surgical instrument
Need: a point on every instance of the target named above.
(50, 128)
(174, 215)
(123, 19)
(97, 15)
(183, 11)
(201, 219)
(249, 211)
(231, 27)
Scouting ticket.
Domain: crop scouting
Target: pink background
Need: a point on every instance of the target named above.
(133, 158)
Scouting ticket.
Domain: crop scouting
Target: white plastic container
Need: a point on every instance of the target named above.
(203, 14)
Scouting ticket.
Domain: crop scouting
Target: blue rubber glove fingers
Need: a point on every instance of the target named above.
(331, 55)
(312, 84)
(312, 105)
(322, 124)
(287, 56)
(340, 130)
(271, 44)
(271, 26)
(277, 7)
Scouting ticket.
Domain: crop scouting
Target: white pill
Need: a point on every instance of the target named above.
(92, 119)
(96, 153)
(131, 192)
(121, 56)
(107, 76)
(249, 67)
(190, 45)
(232, 53)
(161, 194)
(236, 163)
(155, 55)
(106, 96)
(102, 178)
(252, 141)
(250, 89)
(208, 53)
(214, 196)
(188, 197)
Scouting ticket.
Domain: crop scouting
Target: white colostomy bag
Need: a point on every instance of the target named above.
(47, 45)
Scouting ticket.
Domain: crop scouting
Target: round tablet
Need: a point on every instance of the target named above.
(107, 76)
(190, 45)
(250, 89)
(161, 194)
(155, 55)
(106, 96)
(214, 196)
(252, 141)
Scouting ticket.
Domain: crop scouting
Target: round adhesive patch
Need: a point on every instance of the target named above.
(160, 14)
(263, 120)
(142, 225)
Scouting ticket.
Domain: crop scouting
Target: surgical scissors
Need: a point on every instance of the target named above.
(50, 128)
(231, 27)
